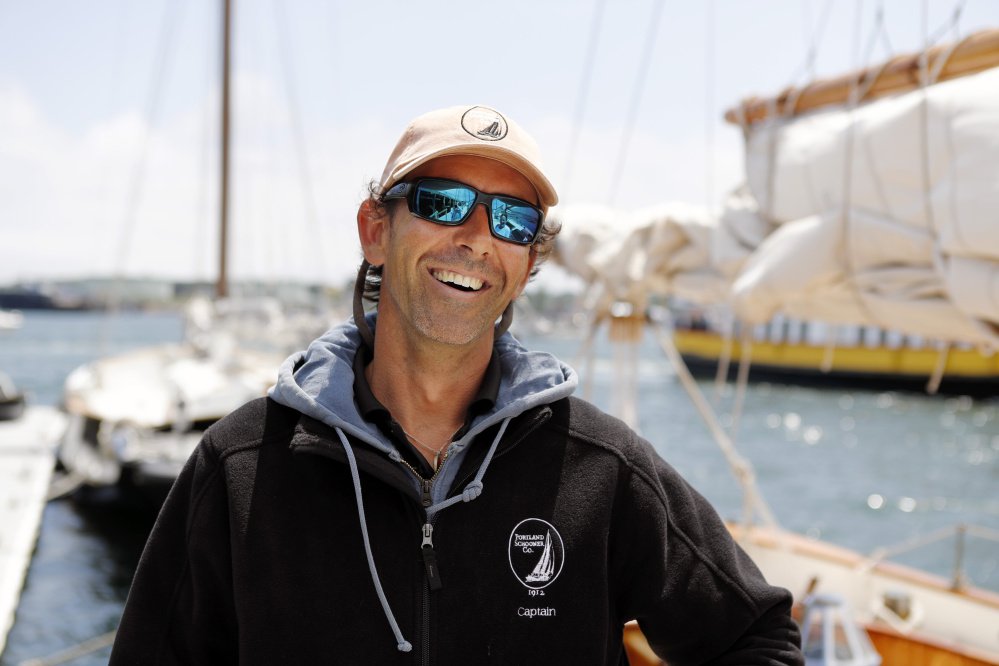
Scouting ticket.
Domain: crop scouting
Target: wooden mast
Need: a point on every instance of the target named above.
(977, 52)
(222, 283)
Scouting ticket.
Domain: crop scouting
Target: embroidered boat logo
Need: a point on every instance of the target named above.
(536, 553)
(545, 567)
(484, 123)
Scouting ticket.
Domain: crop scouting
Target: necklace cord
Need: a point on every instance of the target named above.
(424, 446)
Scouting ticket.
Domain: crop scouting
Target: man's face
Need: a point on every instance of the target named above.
(450, 284)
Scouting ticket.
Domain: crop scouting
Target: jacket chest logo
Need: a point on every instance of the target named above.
(536, 553)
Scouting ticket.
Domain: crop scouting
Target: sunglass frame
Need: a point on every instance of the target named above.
(408, 191)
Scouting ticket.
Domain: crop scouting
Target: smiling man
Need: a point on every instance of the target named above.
(419, 488)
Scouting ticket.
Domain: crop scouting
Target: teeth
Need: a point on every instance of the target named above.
(461, 280)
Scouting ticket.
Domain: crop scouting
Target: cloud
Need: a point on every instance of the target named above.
(128, 198)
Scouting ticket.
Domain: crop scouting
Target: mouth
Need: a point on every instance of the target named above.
(458, 281)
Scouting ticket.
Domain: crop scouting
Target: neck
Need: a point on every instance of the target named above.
(428, 388)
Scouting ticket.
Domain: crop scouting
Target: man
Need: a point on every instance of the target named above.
(420, 489)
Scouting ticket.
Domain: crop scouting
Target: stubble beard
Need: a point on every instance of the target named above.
(451, 324)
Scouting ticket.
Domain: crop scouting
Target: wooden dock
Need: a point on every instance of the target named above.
(27, 459)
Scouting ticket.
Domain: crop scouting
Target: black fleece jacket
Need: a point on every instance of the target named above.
(257, 558)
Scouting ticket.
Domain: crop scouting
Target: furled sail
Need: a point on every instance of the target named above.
(882, 213)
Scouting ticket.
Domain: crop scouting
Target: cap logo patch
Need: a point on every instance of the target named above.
(484, 123)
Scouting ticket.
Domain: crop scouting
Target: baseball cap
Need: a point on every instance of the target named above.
(468, 130)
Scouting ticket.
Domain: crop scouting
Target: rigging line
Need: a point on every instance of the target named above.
(172, 12)
(709, 104)
(808, 66)
(924, 124)
(202, 264)
(806, 18)
(951, 24)
(740, 467)
(583, 94)
(858, 87)
(725, 358)
(956, 18)
(884, 29)
(865, 148)
(260, 176)
(876, 31)
(742, 381)
(301, 153)
(74, 652)
(636, 97)
(857, 32)
(113, 95)
(276, 252)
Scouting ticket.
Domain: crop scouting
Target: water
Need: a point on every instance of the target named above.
(86, 554)
(859, 469)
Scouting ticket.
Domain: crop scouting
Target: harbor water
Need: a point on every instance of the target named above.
(859, 469)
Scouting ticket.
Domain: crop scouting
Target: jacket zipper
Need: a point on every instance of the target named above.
(433, 578)
(433, 581)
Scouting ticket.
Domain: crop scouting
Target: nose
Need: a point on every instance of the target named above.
(474, 233)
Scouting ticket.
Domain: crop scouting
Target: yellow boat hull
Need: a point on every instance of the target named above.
(963, 370)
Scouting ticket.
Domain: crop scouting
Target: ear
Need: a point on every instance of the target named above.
(372, 230)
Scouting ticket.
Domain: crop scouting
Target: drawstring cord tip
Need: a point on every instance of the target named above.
(405, 646)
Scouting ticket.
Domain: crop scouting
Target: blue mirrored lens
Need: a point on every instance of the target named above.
(447, 204)
(514, 221)
(450, 203)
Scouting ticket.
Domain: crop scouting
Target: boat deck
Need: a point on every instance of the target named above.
(27, 458)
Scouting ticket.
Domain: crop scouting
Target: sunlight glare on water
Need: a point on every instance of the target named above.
(859, 469)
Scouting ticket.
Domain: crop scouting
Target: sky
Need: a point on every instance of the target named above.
(109, 111)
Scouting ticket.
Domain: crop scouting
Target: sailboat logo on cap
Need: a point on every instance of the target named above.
(536, 553)
(484, 123)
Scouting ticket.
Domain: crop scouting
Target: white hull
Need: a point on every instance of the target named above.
(144, 411)
(952, 622)
(10, 319)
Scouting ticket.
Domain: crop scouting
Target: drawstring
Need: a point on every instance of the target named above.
(474, 488)
(471, 492)
(403, 644)
(362, 324)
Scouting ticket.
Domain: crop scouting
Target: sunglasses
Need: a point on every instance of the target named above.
(451, 203)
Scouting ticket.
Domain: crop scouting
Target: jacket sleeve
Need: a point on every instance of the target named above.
(180, 608)
(697, 596)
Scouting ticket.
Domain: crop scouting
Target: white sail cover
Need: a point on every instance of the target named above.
(886, 214)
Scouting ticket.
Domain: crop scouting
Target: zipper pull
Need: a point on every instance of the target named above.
(430, 558)
(426, 499)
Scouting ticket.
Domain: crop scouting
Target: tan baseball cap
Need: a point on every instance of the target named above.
(469, 130)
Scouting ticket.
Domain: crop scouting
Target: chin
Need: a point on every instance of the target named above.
(446, 331)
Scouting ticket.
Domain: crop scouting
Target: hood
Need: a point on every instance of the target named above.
(323, 385)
